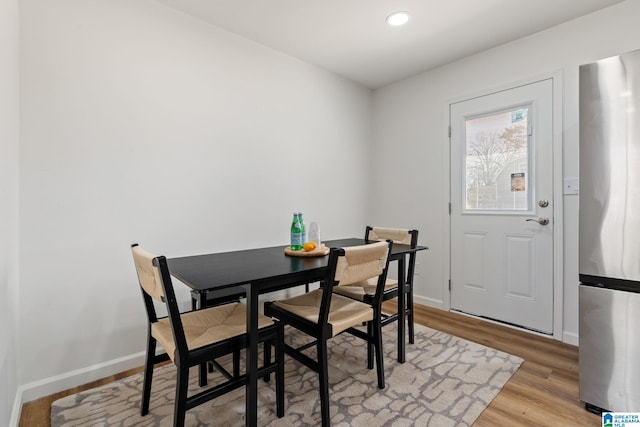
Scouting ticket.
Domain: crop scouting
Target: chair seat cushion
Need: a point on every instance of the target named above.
(344, 312)
(208, 326)
(359, 290)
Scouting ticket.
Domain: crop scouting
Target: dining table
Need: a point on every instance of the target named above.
(263, 270)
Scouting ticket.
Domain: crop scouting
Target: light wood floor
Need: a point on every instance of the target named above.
(543, 392)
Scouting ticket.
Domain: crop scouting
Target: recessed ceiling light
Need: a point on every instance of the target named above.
(398, 18)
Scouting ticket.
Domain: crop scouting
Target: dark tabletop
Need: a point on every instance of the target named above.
(264, 267)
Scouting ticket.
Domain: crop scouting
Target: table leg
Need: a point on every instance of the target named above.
(252, 356)
(401, 309)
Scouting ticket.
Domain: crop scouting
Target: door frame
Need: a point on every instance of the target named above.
(558, 215)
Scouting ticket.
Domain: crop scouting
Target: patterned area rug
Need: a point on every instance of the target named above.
(446, 381)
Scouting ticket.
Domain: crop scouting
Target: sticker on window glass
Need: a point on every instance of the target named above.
(517, 181)
(519, 115)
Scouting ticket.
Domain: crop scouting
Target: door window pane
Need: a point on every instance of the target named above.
(497, 161)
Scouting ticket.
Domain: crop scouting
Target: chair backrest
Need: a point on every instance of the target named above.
(148, 273)
(398, 236)
(155, 283)
(355, 264)
(360, 263)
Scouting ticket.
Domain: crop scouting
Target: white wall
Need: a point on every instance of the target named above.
(141, 124)
(9, 130)
(410, 122)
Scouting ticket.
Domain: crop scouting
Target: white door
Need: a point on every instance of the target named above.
(501, 206)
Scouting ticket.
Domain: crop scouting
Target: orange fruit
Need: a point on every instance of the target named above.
(309, 246)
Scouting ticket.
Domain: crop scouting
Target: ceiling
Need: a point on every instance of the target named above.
(351, 37)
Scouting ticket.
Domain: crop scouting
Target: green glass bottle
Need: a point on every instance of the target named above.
(303, 227)
(296, 233)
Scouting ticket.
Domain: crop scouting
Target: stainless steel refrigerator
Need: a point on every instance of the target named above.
(609, 290)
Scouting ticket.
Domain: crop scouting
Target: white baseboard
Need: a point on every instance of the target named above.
(48, 386)
(429, 302)
(17, 410)
(570, 338)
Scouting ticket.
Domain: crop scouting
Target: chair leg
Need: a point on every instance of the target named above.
(148, 375)
(180, 407)
(323, 377)
(377, 336)
(410, 310)
(267, 358)
(280, 372)
(202, 374)
(370, 345)
(236, 362)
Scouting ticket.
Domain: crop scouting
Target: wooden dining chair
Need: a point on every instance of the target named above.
(323, 314)
(193, 338)
(366, 291)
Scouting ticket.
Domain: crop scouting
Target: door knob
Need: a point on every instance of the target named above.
(543, 203)
(540, 220)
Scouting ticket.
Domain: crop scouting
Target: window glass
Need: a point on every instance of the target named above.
(497, 161)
